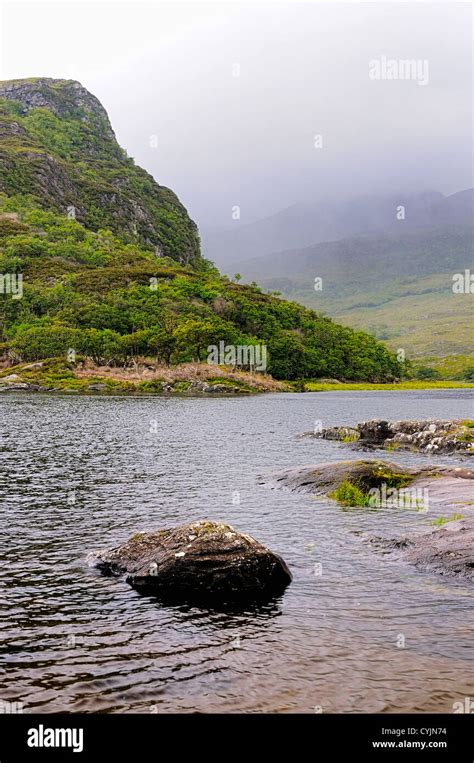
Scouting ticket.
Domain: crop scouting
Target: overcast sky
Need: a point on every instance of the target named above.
(236, 93)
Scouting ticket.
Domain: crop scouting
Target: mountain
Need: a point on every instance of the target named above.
(397, 285)
(304, 225)
(58, 145)
(123, 278)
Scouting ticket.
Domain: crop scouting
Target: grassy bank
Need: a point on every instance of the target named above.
(315, 386)
(58, 375)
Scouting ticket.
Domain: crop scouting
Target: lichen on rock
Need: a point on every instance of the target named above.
(203, 562)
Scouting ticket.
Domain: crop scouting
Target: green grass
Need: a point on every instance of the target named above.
(357, 491)
(350, 438)
(60, 375)
(450, 367)
(314, 386)
(349, 494)
(441, 521)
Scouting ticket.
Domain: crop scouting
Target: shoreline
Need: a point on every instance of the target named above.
(134, 390)
(189, 380)
(402, 386)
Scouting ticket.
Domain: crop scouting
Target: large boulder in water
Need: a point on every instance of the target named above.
(203, 562)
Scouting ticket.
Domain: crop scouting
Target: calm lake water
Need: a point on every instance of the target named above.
(85, 473)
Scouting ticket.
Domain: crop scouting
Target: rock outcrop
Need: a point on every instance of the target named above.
(57, 144)
(448, 550)
(382, 484)
(202, 562)
(433, 436)
(446, 486)
(321, 479)
(32, 375)
(63, 98)
(14, 383)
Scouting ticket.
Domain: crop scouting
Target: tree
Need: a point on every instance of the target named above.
(102, 345)
(194, 336)
(134, 345)
(37, 342)
(161, 344)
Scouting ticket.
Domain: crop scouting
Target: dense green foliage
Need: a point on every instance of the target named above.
(124, 277)
(113, 301)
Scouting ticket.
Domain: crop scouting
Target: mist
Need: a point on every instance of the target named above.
(261, 106)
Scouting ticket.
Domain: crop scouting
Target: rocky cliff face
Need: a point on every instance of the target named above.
(65, 99)
(57, 143)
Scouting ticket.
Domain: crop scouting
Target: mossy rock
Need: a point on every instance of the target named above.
(362, 474)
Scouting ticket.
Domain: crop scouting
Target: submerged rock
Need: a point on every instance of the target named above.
(446, 551)
(203, 561)
(433, 436)
(383, 484)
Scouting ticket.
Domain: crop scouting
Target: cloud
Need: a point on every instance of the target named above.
(223, 102)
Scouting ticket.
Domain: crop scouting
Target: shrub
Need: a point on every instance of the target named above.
(348, 494)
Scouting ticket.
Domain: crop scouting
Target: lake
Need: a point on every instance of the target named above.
(83, 473)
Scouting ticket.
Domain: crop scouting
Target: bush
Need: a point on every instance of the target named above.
(348, 494)
(425, 372)
(37, 342)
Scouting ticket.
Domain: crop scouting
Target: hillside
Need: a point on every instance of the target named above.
(397, 286)
(304, 225)
(56, 143)
(100, 290)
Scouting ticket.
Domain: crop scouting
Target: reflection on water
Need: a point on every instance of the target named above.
(85, 473)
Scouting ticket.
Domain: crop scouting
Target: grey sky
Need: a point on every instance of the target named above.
(168, 70)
